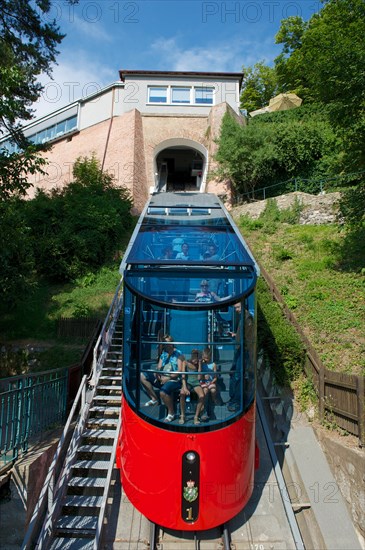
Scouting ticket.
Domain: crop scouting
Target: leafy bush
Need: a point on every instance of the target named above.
(277, 147)
(78, 228)
(291, 214)
(279, 339)
(269, 219)
(246, 222)
(282, 254)
(17, 266)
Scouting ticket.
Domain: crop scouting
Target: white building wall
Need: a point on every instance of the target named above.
(102, 106)
(122, 97)
(136, 94)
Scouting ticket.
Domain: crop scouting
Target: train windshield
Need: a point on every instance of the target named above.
(189, 340)
(209, 352)
(191, 288)
(188, 243)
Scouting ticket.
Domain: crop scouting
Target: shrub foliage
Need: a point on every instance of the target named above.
(80, 227)
(278, 338)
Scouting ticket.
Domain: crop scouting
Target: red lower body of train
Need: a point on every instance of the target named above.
(152, 471)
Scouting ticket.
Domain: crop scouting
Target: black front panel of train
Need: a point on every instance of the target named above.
(190, 486)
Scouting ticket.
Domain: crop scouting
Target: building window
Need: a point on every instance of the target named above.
(157, 94)
(180, 95)
(204, 95)
(48, 134)
(55, 131)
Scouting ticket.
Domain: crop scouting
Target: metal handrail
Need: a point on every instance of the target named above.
(103, 340)
(107, 485)
(48, 486)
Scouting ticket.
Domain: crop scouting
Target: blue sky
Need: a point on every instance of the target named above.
(104, 36)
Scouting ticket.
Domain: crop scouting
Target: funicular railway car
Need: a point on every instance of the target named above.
(187, 448)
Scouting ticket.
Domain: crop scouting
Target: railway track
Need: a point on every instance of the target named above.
(267, 522)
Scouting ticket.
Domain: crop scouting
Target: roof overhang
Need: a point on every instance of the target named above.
(123, 73)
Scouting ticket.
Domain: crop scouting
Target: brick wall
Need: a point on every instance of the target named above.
(126, 147)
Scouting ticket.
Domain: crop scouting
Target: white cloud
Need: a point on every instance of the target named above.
(73, 78)
(90, 29)
(225, 57)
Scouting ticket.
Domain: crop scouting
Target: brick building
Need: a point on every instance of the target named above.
(153, 130)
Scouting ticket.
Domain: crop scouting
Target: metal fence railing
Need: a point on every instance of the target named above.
(34, 403)
(314, 185)
(29, 405)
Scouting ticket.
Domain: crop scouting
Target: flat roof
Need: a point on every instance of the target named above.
(126, 72)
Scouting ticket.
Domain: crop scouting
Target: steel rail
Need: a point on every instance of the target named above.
(299, 545)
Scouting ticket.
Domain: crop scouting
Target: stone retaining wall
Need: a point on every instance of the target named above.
(317, 209)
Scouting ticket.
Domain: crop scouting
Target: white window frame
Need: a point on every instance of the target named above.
(206, 89)
(185, 88)
(150, 88)
(192, 95)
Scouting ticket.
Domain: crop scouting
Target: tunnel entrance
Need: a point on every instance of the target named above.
(179, 168)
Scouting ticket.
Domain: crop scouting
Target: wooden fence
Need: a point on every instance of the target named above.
(341, 396)
(81, 327)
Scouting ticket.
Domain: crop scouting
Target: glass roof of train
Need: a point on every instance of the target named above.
(194, 233)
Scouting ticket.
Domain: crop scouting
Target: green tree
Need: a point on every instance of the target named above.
(276, 147)
(289, 64)
(17, 270)
(323, 60)
(80, 227)
(28, 47)
(259, 86)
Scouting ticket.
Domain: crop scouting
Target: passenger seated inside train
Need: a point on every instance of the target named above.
(184, 254)
(206, 295)
(235, 376)
(191, 382)
(177, 243)
(167, 253)
(168, 381)
(211, 254)
(209, 377)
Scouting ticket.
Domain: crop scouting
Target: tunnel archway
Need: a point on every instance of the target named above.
(180, 165)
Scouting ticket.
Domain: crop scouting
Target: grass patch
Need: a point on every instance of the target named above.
(278, 338)
(322, 283)
(28, 333)
(36, 317)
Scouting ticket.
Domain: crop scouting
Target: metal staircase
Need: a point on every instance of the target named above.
(71, 508)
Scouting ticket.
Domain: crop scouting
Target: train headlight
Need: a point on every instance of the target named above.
(191, 457)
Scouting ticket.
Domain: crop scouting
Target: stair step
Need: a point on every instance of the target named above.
(116, 387)
(65, 543)
(83, 501)
(111, 377)
(101, 422)
(97, 449)
(87, 482)
(91, 465)
(113, 369)
(99, 434)
(116, 398)
(107, 408)
(79, 523)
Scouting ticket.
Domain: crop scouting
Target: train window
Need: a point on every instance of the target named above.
(160, 339)
(192, 289)
(209, 245)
